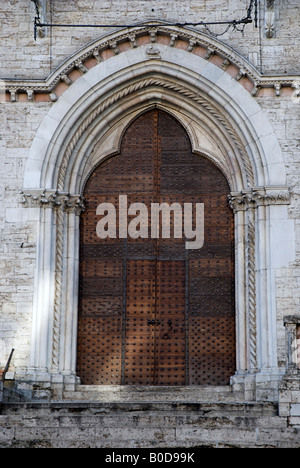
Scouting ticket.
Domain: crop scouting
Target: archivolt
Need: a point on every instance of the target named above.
(161, 83)
(126, 73)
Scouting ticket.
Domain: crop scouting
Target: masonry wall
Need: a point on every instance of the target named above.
(18, 231)
(283, 114)
(23, 58)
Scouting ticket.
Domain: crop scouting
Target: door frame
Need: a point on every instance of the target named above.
(93, 113)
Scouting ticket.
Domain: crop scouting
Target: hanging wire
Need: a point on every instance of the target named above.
(37, 19)
(37, 10)
(236, 25)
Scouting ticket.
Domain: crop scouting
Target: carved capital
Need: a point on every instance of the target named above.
(240, 201)
(54, 200)
(259, 196)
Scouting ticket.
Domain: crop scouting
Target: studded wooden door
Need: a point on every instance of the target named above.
(152, 312)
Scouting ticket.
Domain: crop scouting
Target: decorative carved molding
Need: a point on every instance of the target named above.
(54, 200)
(248, 201)
(133, 41)
(193, 39)
(61, 203)
(81, 67)
(259, 196)
(160, 82)
(114, 46)
(59, 255)
(251, 289)
(174, 37)
(153, 34)
(270, 19)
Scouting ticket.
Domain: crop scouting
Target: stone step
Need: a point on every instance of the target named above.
(207, 409)
(153, 394)
(144, 425)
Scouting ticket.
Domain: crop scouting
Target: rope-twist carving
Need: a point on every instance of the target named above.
(137, 87)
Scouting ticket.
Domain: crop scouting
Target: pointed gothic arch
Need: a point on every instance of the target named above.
(224, 122)
(153, 311)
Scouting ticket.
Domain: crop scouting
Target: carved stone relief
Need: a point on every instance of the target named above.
(270, 19)
(53, 199)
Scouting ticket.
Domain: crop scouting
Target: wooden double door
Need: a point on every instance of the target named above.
(151, 311)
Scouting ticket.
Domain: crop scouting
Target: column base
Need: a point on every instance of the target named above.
(258, 385)
(39, 385)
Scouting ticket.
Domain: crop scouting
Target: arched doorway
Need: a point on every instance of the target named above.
(86, 125)
(151, 311)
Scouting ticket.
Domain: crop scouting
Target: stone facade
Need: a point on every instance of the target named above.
(65, 100)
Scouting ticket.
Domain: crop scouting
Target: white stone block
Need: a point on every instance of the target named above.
(282, 238)
(295, 410)
(77, 90)
(61, 107)
(212, 73)
(237, 93)
(16, 215)
(294, 421)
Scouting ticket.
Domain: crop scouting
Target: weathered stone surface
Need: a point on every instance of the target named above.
(255, 122)
(90, 425)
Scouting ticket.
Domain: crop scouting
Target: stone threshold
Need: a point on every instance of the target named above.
(208, 409)
(134, 394)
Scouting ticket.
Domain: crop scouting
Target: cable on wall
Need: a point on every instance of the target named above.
(236, 24)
